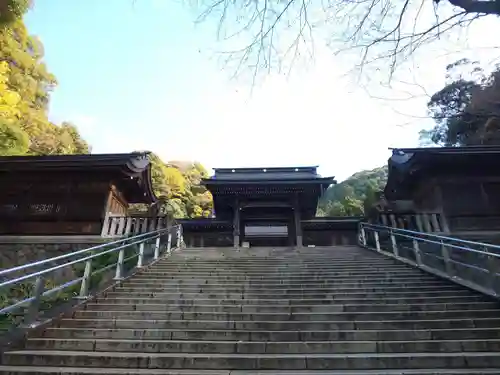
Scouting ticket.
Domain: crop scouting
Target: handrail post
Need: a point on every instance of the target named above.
(416, 250)
(157, 247)
(169, 242)
(395, 250)
(492, 273)
(448, 266)
(140, 260)
(179, 236)
(34, 305)
(84, 287)
(363, 235)
(119, 265)
(377, 240)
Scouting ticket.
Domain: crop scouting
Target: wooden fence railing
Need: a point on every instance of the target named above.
(429, 222)
(119, 225)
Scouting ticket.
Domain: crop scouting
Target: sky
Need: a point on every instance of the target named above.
(142, 75)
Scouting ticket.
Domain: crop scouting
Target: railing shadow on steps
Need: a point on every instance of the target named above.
(474, 265)
(29, 298)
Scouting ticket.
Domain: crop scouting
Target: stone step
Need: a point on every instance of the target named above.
(242, 278)
(36, 370)
(409, 323)
(128, 298)
(285, 272)
(326, 294)
(332, 259)
(312, 259)
(341, 258)
(304, 281)
(286, 310)
(347, 283)
(206, 293)
(241, 335)
(338, 288)
(364, 298)
(289, 277)
(275, 288)
(214, 361)
(354, 257)
(342, 288)
(283, 317)
(298, 278)
(328, 264)
(262, 347)
(372, 268)
(336, 295)
(231, 256)
(369, 268)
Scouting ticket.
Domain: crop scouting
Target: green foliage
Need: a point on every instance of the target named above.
(353, 196)
(178, 185)
(466, 111)
(12, 10)
(13, 141)
(25, 86)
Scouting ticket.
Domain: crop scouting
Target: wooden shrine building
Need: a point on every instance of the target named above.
(267, 204)
(267, 207)
(70, 194)
(454, 190)
(87, 198)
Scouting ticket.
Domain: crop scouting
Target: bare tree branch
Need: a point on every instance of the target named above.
(272, 34)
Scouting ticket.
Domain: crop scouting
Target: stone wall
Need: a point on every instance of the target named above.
(330, 238)
(310, 238)
(16, 251)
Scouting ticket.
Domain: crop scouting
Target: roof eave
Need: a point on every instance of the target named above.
(318, 181)
(451, 150)
(134, 162)
(147, 186)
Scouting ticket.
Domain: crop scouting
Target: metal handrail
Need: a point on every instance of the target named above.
(155, 238)
(411, 232)
(489, 261)
(439, 239)
(64, 256)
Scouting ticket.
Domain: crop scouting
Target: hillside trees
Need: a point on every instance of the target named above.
(12, 139)
(25, 86)
(12, 10)
(352, 196)
(178, 183)
(467, 110)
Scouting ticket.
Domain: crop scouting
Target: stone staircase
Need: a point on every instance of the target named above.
(340, 310)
